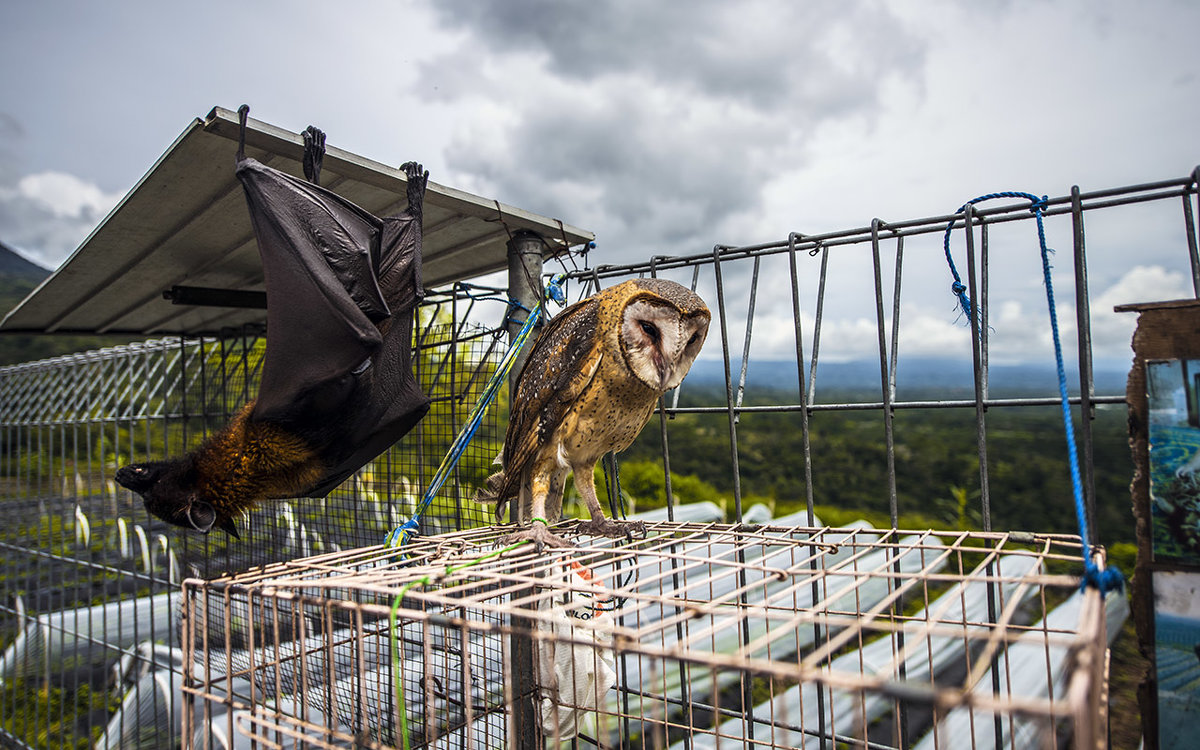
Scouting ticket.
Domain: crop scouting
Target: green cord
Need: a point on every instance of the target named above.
(397, 664)
(539, 519)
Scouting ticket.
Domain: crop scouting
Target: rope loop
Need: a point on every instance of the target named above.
(400, 535)
(1109, 579)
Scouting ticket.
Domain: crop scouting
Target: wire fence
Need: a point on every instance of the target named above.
(91, 580)
(771, 414)
(696, 635)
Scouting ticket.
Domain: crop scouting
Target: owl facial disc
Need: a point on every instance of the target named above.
(660, 341)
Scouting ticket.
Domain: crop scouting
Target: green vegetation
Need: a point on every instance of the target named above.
(50, 717)
(937, 467)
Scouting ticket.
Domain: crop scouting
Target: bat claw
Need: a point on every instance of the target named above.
(611, 528)
(418, 178)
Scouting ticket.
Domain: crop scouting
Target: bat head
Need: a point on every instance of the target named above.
(168, 488)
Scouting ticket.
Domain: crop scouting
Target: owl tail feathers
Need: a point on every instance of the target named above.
(493, 492)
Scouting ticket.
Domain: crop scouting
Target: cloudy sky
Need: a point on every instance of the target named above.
(663, 127)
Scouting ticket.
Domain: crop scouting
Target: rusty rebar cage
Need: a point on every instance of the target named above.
(695, 635)
(91, 580)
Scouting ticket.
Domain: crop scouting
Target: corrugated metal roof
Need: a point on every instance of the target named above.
(186, 223)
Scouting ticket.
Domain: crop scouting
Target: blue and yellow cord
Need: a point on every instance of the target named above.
(400, 535)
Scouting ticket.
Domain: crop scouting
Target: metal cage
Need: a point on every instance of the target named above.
(695, 636)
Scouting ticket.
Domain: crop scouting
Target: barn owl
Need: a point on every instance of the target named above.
(588, 387)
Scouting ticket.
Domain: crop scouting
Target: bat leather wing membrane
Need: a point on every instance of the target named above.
(342, 288)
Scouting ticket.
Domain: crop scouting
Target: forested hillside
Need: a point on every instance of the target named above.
(937, 465)
(19, 277)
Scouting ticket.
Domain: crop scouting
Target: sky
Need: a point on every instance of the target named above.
(665, 128)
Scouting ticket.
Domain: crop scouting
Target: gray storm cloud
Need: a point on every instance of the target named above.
(658, 122)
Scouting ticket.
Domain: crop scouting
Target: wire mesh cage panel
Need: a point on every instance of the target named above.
(693, 635)
(90, 586)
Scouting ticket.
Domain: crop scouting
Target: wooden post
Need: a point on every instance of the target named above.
(1166, 331)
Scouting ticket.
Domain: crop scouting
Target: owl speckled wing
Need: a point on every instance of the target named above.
(589, 387)
(561, 364)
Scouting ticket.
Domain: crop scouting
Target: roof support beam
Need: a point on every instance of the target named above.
(205, 296)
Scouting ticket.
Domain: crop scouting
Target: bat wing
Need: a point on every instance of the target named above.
(342, 287)
(319, 254)
(560, 366)
(387, 401)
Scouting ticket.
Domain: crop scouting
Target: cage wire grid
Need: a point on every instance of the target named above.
(91, 581)
(90, 587)
(713, 634)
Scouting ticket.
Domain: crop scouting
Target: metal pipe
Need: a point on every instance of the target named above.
(806, 440)
(524, 289)
(1189, 227)
(885, 385)
(1087, 389)
(1093, 200)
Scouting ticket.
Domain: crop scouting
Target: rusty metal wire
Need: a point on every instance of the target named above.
(91, 580)
(856, 620)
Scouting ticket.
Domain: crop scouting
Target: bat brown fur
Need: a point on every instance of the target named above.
(248, 462)
(337, 387)
(227, 475)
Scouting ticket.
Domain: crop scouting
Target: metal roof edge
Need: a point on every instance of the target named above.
(195, 123)
(225, 122)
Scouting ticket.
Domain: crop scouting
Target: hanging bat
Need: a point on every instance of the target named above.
(337, 387)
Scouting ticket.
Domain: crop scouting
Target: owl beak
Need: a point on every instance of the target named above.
(666, 376)
(666, 367)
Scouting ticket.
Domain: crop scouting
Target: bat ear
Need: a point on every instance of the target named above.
(201, 516)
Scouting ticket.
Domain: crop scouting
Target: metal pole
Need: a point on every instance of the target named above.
(1087, 389)
(524, 291)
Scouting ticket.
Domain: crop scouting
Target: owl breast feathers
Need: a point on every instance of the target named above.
(589, 386)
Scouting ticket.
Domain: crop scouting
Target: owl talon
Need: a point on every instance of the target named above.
(611, 528)
(539, 535)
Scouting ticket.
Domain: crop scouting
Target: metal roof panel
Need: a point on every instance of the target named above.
(186, 223)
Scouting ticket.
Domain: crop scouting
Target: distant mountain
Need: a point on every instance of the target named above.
(916, 377)
(13, 263)
(18, 277)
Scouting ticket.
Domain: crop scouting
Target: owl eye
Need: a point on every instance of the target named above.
(692, 340)
(649, 329)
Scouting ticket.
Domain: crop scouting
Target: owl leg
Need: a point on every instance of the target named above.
(600, 525)
(535, 493)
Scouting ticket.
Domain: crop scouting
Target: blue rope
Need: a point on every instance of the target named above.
(398, 536)
(958, 288)
(1110, 578)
